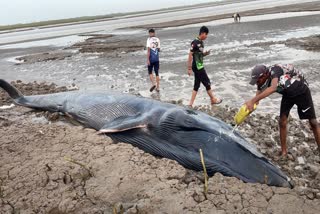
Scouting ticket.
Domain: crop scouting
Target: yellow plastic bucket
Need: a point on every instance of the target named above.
(242, 114)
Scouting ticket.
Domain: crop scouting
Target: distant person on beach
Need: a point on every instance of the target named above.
(290, 82)
(195, 64)
(236, 17)
(153, 49)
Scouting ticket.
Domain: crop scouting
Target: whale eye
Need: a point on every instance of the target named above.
(191, 112)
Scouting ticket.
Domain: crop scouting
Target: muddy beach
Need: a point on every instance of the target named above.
(308, 6)
(107, 45)
(51, 165)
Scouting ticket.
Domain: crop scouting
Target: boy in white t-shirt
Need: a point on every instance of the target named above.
(153, 46)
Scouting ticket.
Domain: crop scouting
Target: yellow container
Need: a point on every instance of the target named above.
(242, 114)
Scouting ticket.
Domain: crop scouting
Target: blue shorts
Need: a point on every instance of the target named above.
(154, 66)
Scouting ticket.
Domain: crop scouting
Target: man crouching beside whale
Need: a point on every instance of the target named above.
(290, 82)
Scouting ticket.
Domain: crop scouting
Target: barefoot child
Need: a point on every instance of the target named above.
(195, 63)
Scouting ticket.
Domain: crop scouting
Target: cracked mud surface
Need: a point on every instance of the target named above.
(49, 165)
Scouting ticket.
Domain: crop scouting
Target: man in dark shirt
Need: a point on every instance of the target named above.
(290, 82)
(195, 63)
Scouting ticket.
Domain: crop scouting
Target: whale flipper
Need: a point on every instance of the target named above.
(125, 123)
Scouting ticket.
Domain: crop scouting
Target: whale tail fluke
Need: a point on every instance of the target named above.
(10, 89)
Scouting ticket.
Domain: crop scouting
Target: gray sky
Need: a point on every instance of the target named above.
(24, 11)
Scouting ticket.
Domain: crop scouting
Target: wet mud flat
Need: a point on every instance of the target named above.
(107, 45)
(118, 62)
(309, 6)
(50, 165)
(115, 46)
(110, 44)
(309, 43)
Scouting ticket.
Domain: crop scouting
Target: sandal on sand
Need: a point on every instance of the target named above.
(218, 101)
(158, 90)
(152, 88)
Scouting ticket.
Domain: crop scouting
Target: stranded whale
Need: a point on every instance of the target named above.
(161, 129)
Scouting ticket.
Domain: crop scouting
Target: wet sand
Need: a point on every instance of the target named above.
(310, 43)
(190, 15)
(51, 165)
(309, 6)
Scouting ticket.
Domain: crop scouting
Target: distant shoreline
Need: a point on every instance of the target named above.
(99, 18)
(301, 7)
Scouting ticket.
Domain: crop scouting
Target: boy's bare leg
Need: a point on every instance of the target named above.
(158, 82)
(316, 131)
(283, 134)
(152, 79)
(193, 97)
(212, 97)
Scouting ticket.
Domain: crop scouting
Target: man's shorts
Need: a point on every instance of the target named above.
(154, 66)
(200, 76)
(304, 103)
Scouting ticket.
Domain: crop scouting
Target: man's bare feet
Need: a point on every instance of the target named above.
(216, 101)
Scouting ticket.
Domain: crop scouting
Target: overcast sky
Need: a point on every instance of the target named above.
(24, 11)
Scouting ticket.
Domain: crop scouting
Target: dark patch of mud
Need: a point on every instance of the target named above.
(106, 45)
(54, 167)
(110, 45)
(44, 57)
(310, 43)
